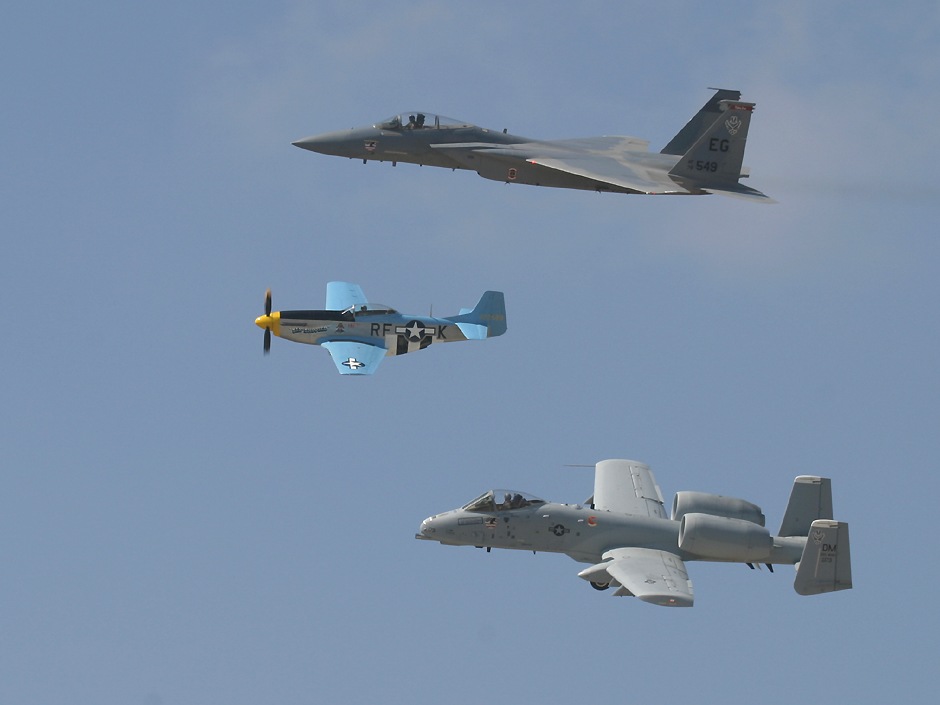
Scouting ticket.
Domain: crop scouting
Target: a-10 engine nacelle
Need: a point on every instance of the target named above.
(716, 505)
(723, 539)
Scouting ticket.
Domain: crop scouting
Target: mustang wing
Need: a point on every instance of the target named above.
(353, 358)
(657, 577)
(628, 487)
(342, 295)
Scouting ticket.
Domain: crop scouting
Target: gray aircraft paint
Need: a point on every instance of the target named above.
(624, 532)
(706, 156)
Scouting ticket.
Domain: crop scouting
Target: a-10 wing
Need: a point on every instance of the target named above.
(627, 487)
(657, 577)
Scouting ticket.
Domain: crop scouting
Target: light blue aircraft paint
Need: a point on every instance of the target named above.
(359, 334)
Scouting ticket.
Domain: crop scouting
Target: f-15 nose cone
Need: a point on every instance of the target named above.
(327, 143)
(343, 143)
(311, 143)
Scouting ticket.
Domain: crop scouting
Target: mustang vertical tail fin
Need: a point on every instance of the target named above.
(701, 121)
(826, 564)
(713, 164)
(485, 320)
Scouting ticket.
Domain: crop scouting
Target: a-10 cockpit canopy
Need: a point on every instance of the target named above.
(501, 500)
(415, 120)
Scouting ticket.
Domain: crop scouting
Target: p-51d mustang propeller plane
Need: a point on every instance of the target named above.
(623, 531)
(706, 156)
(359, 334)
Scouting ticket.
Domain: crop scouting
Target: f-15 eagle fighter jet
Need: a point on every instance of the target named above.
(706, 156)
(624, 533)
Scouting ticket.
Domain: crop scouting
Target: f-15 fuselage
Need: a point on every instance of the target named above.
(704, 157)
(451, 144)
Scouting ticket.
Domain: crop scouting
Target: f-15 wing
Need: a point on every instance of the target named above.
(601, 159)
(612, 171)
(352, 358)
(657, 577)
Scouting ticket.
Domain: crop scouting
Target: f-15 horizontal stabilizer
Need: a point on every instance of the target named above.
(826, 564)
(740, 191)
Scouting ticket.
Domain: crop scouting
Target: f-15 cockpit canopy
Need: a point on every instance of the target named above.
(501, 500)
(369, 310)
(415, 120)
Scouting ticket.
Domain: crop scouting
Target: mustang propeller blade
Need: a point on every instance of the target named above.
(267, 329)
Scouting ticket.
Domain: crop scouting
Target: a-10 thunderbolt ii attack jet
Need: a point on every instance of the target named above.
(624, 533)
(704, 157)
(359, 334)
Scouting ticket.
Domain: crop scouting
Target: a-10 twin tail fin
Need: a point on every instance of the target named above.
(825, 565)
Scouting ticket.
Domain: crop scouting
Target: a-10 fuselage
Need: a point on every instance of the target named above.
(578, 531)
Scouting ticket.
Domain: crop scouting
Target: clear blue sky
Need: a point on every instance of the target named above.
(183, 521)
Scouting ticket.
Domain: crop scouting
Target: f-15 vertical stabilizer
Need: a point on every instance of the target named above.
(714, 163)
(700, 122)
(826, 564)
